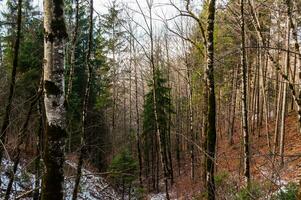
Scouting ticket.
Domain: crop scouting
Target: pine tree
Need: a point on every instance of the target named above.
(123, 171)
(111, 25)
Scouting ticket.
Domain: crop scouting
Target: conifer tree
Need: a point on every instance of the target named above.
(164, 108)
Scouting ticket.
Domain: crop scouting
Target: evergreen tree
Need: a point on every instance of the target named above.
(164, 109)
(123, 171)
(111, 26)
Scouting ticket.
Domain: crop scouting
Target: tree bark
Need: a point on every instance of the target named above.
(211, 117)
(244, 99)
(54, 100)
(39, 150)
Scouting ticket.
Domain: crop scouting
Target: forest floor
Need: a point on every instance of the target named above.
(92, 185)
(267, 172)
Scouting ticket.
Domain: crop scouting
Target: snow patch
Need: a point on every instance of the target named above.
(92, 187)
(159, 196)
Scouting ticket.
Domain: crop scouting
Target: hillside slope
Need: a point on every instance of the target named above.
(267, 172)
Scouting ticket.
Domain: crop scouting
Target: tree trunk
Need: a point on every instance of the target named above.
(179, 126)
(161, 145)
(191, 131)
(138, 124)
(72, 64)
(233, 108)
(284, 99)
(85, 105)
(169, 145)
(73, 49)
(8, 108)
(244, 99)
(39, 149)
(211, 130)
(54, 100)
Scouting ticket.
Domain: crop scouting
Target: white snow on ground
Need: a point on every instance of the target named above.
(92, 187)
(159, 196)
(24, 181)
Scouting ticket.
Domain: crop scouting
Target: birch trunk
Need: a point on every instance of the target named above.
(54, 100)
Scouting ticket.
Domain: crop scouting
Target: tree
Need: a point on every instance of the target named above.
(8, 108)
(112, 28)
(123, 171)
(73, 49)
(85, 104)
(245, 126)
(54, 99)
(211, 115)
(163, 109)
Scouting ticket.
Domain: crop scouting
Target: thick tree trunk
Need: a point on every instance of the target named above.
(54, 100)
(211, 117)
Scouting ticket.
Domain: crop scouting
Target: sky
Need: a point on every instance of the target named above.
(161, 7)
